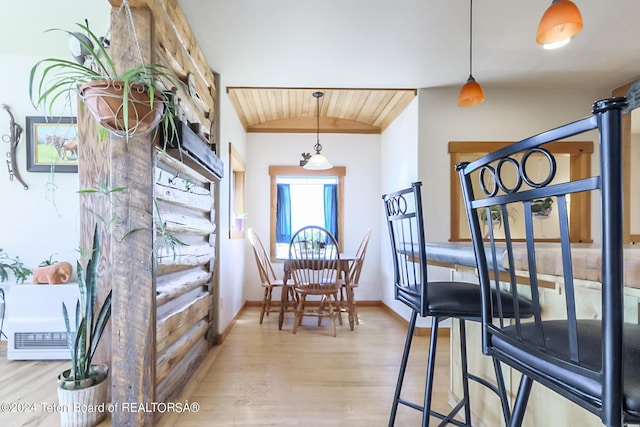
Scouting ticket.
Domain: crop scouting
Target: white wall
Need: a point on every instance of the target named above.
(398, 169)
(415, 147)
(232, 251)
(506, 115)
(43, 220)
(360, 154)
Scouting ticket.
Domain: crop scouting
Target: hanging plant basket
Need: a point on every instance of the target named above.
(105, 101)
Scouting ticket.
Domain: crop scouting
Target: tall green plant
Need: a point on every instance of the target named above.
(89, 327)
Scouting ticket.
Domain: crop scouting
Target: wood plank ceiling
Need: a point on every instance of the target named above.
(286, 110)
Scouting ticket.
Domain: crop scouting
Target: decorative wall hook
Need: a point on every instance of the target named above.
(13, 139)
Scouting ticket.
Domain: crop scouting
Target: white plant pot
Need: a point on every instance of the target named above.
(85, 406)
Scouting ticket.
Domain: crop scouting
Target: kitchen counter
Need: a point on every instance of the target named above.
(586, 259)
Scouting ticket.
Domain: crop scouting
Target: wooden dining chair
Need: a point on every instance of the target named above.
(440, 300)
(314, 267)
(347, 288)
(590, 359)
(268, 278)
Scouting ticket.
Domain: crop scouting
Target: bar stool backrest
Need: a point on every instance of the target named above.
(514, 198)
(406, 232)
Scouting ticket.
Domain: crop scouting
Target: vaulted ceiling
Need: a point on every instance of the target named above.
(401, 44)
(340, 110)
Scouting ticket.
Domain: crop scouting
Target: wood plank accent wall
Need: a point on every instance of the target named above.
(184, 289)
(163, 309)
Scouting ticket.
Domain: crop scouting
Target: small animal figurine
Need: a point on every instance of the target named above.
(57, 273)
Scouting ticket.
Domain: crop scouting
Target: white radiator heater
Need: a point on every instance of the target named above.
(34, 324)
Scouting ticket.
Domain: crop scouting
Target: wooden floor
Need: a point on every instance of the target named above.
(261, 376)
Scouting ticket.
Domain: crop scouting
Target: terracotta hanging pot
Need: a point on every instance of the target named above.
(104, 98)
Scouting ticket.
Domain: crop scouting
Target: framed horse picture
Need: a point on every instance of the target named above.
(52, 144)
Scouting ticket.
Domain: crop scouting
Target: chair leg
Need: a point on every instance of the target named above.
(267, 297)
(351, 308)
(465, 372)
(323, 299)
(520, 404)
(299, 310)
(502, 391)
(332, 313)
(354, 307)
(403, 368)
(431, 366)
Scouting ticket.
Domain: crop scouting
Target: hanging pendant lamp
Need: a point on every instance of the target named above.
(561, 22)
(317, 161)
(471, 93)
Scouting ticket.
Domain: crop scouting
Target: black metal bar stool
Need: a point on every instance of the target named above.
(587, 358)
(440, 300)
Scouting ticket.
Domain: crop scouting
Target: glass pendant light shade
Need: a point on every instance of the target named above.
(560, 22)
(318, 162)
(471, 93)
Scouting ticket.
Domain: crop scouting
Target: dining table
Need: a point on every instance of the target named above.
(344, 264)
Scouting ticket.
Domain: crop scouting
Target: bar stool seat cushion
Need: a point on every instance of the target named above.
(463, 300)
(590, 344)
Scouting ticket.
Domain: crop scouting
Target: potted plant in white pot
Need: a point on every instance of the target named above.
(82, 389)
(129, 103)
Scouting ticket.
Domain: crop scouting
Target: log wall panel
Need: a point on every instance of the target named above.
(170, 312)
(185, 255)
(172, 285)
(181, 223)
(169, 389)
(172, 355)
(200, 202)
(178, 316)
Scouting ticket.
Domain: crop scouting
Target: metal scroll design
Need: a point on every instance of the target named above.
(13, 138)
(396, 206)
(520, 167)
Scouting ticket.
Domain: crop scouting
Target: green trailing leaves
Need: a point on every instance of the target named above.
(13, 265)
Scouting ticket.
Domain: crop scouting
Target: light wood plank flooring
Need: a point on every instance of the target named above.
(266, 377)
(261, 376)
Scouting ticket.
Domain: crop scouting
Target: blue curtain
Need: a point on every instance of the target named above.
(283, 214)
(331, 209)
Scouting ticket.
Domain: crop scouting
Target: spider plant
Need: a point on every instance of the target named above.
(53, 79)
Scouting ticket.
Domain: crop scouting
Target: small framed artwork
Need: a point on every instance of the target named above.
(52, 144)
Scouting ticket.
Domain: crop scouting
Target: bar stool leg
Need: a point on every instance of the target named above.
(465, 373)
(502, 391)
(520, 404)
(403, 367)
(431, 366)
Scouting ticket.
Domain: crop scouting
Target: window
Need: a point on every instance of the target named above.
(236, 194)
(574, 161)
(300, 197)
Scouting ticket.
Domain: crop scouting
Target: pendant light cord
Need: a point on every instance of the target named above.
(318, 147)
(470, 36)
